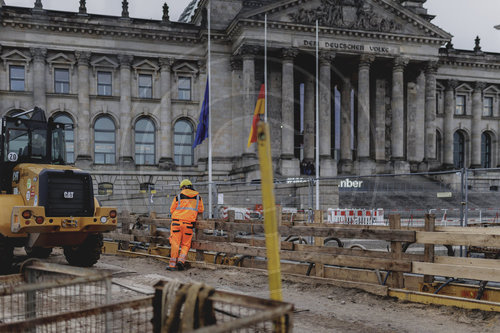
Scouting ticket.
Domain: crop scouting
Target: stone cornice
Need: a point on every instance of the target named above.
(469, 63)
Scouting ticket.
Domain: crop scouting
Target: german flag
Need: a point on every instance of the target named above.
(259, 109)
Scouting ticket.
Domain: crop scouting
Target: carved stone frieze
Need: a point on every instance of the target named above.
(349, 14)
(249, 50)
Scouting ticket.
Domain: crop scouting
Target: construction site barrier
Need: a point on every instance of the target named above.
(356, 216)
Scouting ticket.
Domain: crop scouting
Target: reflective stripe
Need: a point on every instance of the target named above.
(187, 208)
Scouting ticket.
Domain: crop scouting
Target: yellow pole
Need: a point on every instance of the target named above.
(270, 223)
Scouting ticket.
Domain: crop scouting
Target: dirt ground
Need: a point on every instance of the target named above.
(318, 308)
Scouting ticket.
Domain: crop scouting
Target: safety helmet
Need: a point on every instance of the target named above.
(185, 182)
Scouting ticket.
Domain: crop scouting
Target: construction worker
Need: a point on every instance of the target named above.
(184, 209)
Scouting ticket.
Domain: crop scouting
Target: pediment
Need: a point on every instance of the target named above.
(146, 65)
(491, 90)
(15, 56)
(60, 59)
(464, 87)
(104, 62)
(185, 67)
(380, 16)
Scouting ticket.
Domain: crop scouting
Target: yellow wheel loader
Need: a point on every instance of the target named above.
(43, 202)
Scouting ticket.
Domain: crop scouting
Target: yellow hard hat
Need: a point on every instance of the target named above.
(185, 182)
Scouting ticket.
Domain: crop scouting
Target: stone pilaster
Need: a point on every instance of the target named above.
(430, 114)
(125, 151)
(398, 121)
(477, 111)
(83, 137)
(238, 113)
(364, 165)
(449, 110)
(289, 164)
(328, 166)
(166, 161)
(345, 163)
(39, 86)
(249, 97)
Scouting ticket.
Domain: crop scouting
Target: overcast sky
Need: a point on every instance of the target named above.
(464, 19)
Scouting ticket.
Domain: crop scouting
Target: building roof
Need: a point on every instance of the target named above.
(189, 11)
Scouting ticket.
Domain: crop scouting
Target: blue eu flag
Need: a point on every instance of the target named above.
(202, 130)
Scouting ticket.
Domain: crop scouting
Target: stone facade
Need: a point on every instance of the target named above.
(392, 97)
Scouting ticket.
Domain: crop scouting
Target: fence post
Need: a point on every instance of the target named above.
(430, 222)
(230, 233)
(152, 229)
(397, 249)
(318, 241)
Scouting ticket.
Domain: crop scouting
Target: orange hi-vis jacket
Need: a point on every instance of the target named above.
(186, 206)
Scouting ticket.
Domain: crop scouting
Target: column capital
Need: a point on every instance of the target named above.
(166, 63)
(236, 63)
(248, 51)
(39, 54)
(431, 67)
(82, 57)
(400, 63)
(479, 86)
(289, 53)
(365, 60)
(451, 85)
(125, 60)
(326, 57)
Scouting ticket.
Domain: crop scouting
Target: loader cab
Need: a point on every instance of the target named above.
(29, 140)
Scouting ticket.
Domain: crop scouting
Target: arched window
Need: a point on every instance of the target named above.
(104, 141)
(144, 142)
(69, 136)
(486, 150)
(183, 142)
(458, 150)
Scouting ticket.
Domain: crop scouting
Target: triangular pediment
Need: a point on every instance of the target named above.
(185, 67)
(491, 90)
(104, 62)
(464, 87)
(379, 16)
(15, 56)
(146, 65)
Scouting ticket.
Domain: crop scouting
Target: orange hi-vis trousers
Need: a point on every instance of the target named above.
(181, 234)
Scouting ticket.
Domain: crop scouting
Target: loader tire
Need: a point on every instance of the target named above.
(85, 254)
(38, 252)
(6, 256)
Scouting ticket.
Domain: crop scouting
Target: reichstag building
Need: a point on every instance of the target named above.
(395, 96)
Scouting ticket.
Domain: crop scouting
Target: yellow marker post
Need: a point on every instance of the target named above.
(270, 223)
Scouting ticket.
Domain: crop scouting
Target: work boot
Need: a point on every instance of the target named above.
(169, 268)
(180, 266)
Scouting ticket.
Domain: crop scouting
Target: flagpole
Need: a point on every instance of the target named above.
(209, 118)
(317, 115)
(265, 66)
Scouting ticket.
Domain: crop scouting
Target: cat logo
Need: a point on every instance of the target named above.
(68, 195)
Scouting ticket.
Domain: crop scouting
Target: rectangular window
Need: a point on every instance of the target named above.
(61, 81)
(145, 86)
(185, 88)
(460, 105)
(488, 107)
(104, 83)
(16, 78)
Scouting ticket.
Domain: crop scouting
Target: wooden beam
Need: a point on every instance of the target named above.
(471, 230)
(473, 262)
(461, 271)
(454, 238)
(397, 249)
(430, 221)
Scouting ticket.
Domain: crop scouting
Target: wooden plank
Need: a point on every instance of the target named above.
(461, 271)
(429, 248)
(119, 237)
(340, 260)
(454, 238)
(397, 249)
(471, 230)
(473, 262)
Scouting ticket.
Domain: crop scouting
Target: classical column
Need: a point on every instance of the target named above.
(380, 117)
(289, 164)
(166, 157)
(477, 111)
(125, 144)
(415, 121)
(449, 110)
(328, 167)
(83, 138)
(39, 90)
(345, 127)
(239, 139)
(398, 121)
(430, 113)
(248, 54)
(365, 165)
(309, 115)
